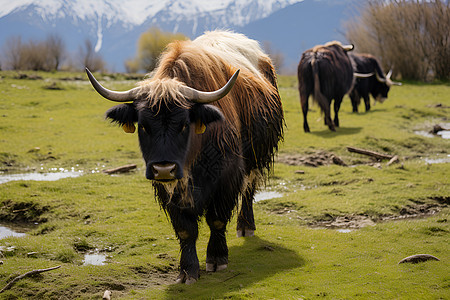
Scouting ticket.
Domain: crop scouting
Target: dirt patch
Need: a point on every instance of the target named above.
(22, 212)
(316, 159)
(350, 222)
(28, 76)
(418, 210)
(411, 211)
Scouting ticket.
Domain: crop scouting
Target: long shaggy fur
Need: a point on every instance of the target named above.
(206, 64)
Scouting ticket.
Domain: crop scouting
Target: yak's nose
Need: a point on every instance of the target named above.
(164, 171)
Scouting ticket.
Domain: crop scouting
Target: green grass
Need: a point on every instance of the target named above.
(291, 257)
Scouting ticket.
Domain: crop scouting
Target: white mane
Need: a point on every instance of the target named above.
(237, 48)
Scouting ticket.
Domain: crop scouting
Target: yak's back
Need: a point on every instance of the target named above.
(252, 109)
(332, 65)
(235, 48)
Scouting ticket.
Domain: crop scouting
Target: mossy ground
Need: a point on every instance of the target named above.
(291, 257)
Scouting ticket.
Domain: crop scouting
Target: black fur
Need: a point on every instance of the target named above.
(364, 63)
(216, 162)
(326, 73)
(122, 114)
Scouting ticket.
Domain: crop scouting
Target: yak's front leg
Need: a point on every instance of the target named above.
(186, 228)
(218, 215)
(217, 251)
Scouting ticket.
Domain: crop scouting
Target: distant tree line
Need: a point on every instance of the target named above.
(49, 54)
(413, 37)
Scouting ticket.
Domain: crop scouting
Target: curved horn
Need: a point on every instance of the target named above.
(389, 74)
(348, 47)
(125, 96)
(389, 81)
(363, 75)
(209, 97)
(380, 79)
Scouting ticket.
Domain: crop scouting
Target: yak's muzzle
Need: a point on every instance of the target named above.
(162, 171)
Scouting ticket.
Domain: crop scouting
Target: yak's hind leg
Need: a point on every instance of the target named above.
(355, 99)
(337, 106)
(305, 107)
(246, 221)
(367, 102)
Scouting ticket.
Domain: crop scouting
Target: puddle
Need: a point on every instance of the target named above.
(8, 232)
(424, 133)
(94, 259)
(39, 176)
(265, 195)
(438, 160)
(439, 130)
(344, 230)
(445, 134)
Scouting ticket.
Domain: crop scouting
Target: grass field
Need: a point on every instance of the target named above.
(335, 232)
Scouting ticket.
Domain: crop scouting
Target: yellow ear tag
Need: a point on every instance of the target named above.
(199, 127)
(129, 127)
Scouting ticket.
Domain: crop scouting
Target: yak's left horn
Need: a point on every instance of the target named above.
(387, 80)
(348, 47)
(389, 74)
(125, 96)
(381, 79)
(363, 75)
(209, 97)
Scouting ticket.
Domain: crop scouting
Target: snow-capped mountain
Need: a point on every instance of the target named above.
(114, 26)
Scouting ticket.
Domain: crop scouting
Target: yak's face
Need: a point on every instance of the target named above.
(381, 92)
(164, 140)
(165, 134)
(164, 110)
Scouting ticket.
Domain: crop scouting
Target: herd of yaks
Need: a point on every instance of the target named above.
(329, 72)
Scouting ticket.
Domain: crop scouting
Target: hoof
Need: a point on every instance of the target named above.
(190, 280)
(179, 280)
(221, 267)
(215, 268)
(210, 267)
(183, 278)
(245, 233)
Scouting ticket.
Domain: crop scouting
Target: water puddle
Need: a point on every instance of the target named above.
(445, 134)
(94, 259)
(9, 232)
(424, 133)
(438, 160)
(266, 195)
(439, 130)
(53, 176)
(344, 230)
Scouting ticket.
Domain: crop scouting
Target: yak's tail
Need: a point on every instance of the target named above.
(318, 96)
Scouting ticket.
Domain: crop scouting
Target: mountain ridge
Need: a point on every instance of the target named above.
(116, 39)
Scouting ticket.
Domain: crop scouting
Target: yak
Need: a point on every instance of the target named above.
(325, 71)
(209, 120)
(374, 82)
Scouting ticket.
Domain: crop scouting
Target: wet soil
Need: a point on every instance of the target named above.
(22, 212)
(316, 159)
(415, 210)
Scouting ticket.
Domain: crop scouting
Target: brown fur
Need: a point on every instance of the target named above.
(185, 63)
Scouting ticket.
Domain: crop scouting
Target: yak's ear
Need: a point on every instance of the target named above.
(124, 115)
(203, 114)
